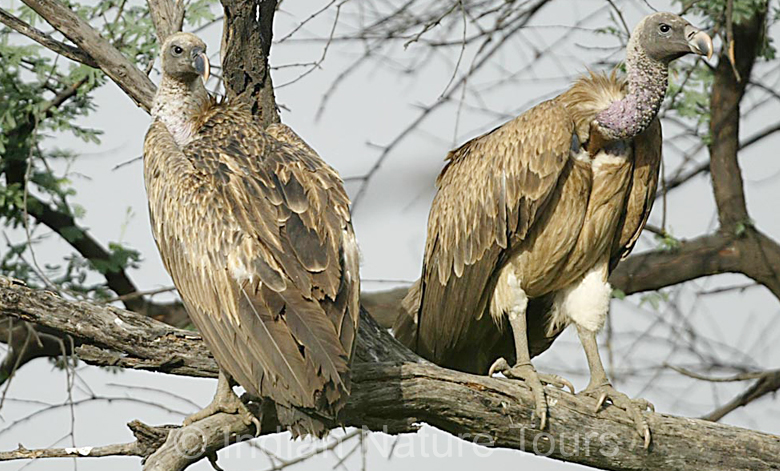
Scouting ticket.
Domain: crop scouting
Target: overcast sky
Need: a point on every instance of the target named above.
(371, 108)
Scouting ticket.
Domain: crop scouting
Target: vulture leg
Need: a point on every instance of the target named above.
(586, 304)
(600, 387)
(225, 400)
(523, 369)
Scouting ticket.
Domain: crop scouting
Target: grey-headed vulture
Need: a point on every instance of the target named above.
(530, 218)
(254, 228)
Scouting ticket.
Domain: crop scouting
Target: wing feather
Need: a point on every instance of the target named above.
(255, 231)
(644, 181)
(490, 194)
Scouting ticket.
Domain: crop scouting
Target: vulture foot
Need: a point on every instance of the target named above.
(225, 401)
(633, 407)
(527, 373)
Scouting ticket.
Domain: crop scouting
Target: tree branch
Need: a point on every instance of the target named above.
(727, 93)
(132, 80)
(705, 166)
(22, 453)
(393, 390)
(766, 384)
(707, 255)
(167, 16)
(246, 43)
(72, 53)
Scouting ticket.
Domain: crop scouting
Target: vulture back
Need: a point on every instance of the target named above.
(499, 186)
(255, 230)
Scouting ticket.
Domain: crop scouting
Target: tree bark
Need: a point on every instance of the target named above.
(246, 44)
(393, 390)
(167, 16)
(727, 93)
(123, 72)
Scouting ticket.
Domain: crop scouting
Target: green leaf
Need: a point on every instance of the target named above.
(72, 234)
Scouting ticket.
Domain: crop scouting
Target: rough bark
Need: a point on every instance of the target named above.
(246, 44)
(393, 390)
(124, 73)
(167, 16)
(727, 93)
(72, 53)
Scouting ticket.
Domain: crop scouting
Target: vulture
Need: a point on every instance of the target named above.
(254, 228)
(529, 220)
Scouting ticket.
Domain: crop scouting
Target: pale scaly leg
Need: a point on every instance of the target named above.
(523, 369)
(600, 387)
(225, 400)
(587, 304)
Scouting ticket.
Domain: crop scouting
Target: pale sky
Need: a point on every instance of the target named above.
(372, 107)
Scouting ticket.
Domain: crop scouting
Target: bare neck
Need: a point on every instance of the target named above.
(647, 82)
(178, 104)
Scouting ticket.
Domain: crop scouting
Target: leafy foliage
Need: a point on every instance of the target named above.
(43, 95)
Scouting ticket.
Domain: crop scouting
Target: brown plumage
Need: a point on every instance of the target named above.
(530, 218)
(514, 173)
(255, 230)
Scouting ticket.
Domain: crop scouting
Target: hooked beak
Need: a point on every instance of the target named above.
(201, 63)
(699, 41)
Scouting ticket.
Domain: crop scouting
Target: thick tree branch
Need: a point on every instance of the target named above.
(393, 390)
(167, 16)
(66, 227)
(704, 256)
(124, 73)
(22, 453)
(708, 255)
(727, 93)
(72, 53)
(246, 43)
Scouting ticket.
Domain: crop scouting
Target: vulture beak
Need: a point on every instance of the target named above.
(201, 63)
(699, 41)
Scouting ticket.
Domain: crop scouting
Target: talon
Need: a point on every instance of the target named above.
(535, 382)
(632, 407)
(226, 401)
(258, 428)
(498, 366)
(557, 381)
(600, 402)
(542, 419)
(566, 383)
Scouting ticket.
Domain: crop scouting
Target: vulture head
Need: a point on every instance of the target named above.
(665, 37)
(656, 41)
(184, 57)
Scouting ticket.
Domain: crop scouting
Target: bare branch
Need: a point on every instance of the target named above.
(730, 379)
(167, 16)
(393, 390)
(130, 79)
(72, 53)
(727, 93)
(22, 453)
(767, 384)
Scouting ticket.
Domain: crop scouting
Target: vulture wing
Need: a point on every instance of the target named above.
(270, 276)
(647, 164)
(490, 194)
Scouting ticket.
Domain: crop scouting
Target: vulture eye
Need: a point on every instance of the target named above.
(664, 28)
(177, 50)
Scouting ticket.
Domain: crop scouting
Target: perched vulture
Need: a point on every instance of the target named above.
(254, 228)
(530, 218)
